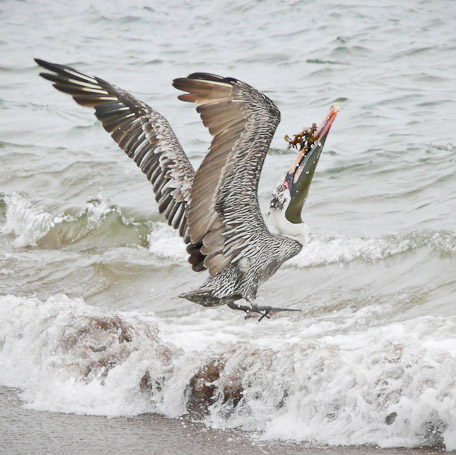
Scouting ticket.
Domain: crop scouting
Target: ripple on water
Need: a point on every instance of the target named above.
(370, 360)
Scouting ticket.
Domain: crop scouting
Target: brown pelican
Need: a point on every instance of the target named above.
(215, 209)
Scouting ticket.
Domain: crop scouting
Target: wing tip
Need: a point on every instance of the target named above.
(48, 76)
(182, 82)
(48, 65)
(210, 77)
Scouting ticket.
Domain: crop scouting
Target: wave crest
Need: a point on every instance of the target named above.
(105, 225)
(330, 249)
(389, 385)
(97, 222)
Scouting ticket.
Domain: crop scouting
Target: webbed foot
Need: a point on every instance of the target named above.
(265, 311)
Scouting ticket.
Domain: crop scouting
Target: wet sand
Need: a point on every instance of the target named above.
(25, 431)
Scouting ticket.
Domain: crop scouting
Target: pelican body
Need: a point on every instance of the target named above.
(214, 209)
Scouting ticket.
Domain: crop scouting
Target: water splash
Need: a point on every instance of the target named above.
(390, 385)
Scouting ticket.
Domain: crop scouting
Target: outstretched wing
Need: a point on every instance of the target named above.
(224, 213)
(144, 135)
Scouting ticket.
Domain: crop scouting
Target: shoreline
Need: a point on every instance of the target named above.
(29, 431)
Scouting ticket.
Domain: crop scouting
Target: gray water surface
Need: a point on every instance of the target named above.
(81, 239)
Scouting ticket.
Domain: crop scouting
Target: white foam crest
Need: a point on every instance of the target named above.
(27, 221)
(71, 357)
(165, 242)
(327, 250)
(96, 211)
(390, 385)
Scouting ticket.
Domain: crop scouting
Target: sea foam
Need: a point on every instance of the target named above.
(28, 222)
(390, 385)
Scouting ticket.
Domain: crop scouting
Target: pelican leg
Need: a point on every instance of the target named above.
(248, 310)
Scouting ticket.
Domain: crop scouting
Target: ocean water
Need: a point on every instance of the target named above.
(90, 321)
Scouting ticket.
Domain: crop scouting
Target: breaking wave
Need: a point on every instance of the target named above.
(390, 385)
(31, 225)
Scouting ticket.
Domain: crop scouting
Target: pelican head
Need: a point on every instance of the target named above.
(292, 189)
